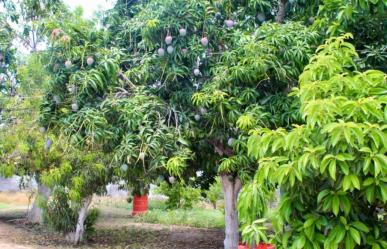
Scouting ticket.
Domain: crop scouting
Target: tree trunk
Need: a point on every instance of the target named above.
(35, 214)
(77, 236)
(281, 11)
(231, 187)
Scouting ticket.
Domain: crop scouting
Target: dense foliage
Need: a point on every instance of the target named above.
(179, 196)
(332, 169)
(170, 89)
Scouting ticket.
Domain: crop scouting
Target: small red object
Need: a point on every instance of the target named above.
(140, 204)
(265, 246)
(260, 246)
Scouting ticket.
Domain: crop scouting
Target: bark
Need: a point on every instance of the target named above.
(274, 203)
(220, 148)
(231, 187)
(35, 214)
(78, 235)
(122, 77)
(281, 11)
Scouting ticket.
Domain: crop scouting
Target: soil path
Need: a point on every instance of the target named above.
(111, 232)
(9, 237)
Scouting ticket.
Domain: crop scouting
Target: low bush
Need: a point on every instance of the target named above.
(60, 215)
(179, 195)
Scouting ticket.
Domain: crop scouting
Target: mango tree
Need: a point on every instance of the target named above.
(248, 89)
(333, 168)
(82, 71)
(171, 45)
(96, 108)
(174, 49)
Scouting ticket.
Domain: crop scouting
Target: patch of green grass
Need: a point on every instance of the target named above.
(158, 214)
(198, 217)
(4, 205)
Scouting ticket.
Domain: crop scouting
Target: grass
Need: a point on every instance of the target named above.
(4, 205)
(197, 217)
(200, 217)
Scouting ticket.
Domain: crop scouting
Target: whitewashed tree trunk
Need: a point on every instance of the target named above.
(231, 187)
(35, 214)
(77, 236)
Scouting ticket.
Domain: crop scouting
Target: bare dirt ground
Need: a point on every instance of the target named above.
(114, 229)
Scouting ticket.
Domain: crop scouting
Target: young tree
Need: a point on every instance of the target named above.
(28, 155)
(31, 154)
(81, 174)
(333, 168)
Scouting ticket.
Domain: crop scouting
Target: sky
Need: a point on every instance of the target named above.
(90, 6)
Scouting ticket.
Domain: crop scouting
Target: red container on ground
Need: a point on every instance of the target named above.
(140, 204)
(260, 246)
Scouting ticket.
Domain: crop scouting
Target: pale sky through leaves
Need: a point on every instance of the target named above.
(90, 6)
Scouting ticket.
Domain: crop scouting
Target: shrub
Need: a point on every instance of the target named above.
(60, 215)
(179, 195)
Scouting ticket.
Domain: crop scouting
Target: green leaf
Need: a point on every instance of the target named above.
(340, 234)
(299, 243)
(380, 163)
(369, 181)
(383, 192)
(346, 204)
(360, 226)
(344, 168)
(325, 162)
(349, 243)
(347, 183)
(322, 194)
(335, 205)
(332, 169)
(355, 182)
(309, 222)
(355, 235)
(370, 194)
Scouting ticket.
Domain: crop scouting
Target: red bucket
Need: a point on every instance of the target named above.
(140, 204)
(260, 246)
(265, 246)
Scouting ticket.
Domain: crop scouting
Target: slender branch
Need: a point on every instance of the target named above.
(124, 78)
